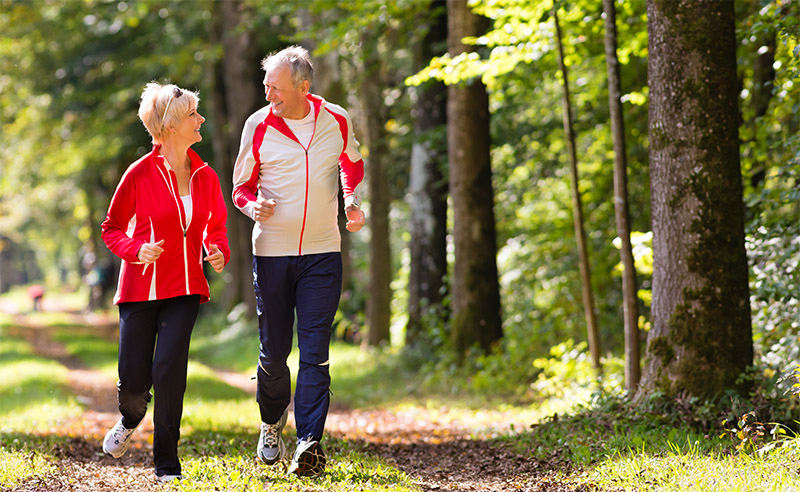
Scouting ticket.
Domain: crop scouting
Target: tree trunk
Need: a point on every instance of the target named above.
(476, 293)
(428, 193)
(236, 95)
(577, 210)
(380, 268)
(630, 310)
(701, 337)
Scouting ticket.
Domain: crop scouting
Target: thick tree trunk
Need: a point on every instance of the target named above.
(379, 295)
(428, 193)
(236, 94)
(577, 210)
(475, 290)
(701, 336)
(630, 310)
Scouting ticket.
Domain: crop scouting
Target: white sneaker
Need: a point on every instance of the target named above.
(168, 478)
(117, 440)
(309, 458)
(271, 447)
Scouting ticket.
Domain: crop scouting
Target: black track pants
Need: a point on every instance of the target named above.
(153, 352)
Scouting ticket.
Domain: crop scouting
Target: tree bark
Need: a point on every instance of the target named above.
(476, 294)
(236, 94)
(380, 269)
(701, 337)
(630, 310)
(577, 210)
(428, 193)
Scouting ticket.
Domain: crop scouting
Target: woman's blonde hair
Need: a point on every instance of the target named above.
(162, 106)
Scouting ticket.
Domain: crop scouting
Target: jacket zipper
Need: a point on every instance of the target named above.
(176, 198)
(305, 200)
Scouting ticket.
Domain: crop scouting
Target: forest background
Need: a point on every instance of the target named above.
(71, 74)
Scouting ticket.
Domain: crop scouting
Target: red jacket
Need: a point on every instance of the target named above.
(146, 207)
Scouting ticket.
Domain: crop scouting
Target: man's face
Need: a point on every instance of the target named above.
(288, 101)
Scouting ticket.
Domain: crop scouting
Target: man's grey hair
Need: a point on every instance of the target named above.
(294, 57)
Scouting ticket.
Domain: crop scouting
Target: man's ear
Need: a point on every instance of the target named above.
(305, 86)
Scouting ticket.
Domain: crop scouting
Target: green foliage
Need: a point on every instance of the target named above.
(774, 255)
(749, 434)
(72, 76)
(608, 426)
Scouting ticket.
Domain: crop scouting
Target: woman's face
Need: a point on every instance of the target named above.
(188, 129)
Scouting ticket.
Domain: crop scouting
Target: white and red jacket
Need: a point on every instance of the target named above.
(146, 207)
(272, 163)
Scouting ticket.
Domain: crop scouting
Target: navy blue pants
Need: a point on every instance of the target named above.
(153, 352)
(310, 285)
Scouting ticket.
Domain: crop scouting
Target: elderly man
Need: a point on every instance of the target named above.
(285, 179)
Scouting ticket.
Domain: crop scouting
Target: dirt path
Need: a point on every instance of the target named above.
(439, 451)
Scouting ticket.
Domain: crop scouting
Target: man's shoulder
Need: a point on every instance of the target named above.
(335, 109)
(258, 116)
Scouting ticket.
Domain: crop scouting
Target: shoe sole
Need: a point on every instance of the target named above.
(310, 463)
(115, 456)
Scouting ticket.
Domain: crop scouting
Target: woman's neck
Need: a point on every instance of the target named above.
(176, 155)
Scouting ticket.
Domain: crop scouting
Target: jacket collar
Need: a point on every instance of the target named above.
(195, 162)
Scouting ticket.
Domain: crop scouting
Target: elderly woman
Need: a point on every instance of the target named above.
(168, 206)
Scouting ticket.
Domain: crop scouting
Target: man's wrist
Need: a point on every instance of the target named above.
(352, 200)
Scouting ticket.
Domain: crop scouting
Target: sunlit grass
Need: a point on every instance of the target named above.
(33, 394)
(599, 447)
(94, 351)
(212, 404)
(17, 466)
(54, 301)
(349, 468)
(688, 469)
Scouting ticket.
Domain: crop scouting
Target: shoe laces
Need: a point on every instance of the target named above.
(271, 434)
(121, 433)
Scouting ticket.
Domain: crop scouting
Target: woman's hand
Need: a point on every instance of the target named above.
(215, 258)
(150, 252)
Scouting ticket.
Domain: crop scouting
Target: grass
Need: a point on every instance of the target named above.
(219, 428)
(598, 446)
(16, 466)
(33, 390)
(33, 399)
(687, 468)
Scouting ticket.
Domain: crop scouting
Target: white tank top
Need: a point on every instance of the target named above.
(187, 207)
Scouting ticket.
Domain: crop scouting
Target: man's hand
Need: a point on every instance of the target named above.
(355, 218)
(264, 209)
(215, 258)
(149, 252)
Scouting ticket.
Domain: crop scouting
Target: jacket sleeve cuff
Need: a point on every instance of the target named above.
(352, 200)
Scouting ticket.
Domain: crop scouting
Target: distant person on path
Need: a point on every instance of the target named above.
(36, 293)
(167, 208)
(285, 179)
